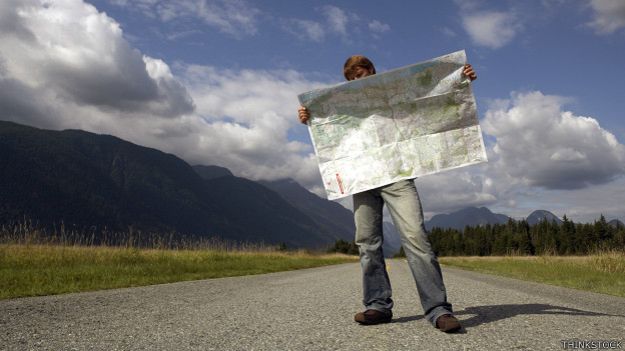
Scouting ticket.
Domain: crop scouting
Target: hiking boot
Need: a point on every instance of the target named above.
(448, 323)
(370, 317)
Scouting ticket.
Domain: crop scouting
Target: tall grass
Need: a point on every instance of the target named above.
(36, 262)
(600, 271)
(29, 232)
(609, 261)
(31, 270)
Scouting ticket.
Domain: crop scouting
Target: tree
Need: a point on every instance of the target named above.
(342, 246)
(567, 236)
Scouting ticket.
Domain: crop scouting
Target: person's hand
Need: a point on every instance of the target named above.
(303, 114)
(469, 72)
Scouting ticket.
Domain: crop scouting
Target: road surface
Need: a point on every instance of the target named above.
(310, 309)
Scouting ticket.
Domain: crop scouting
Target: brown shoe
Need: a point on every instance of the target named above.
(370, 317)
(448, 323)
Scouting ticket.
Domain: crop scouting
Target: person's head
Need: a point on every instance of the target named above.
(358, 66)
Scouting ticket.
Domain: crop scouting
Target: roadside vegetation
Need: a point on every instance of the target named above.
(35, 263)
(520, 238)
(588, 256)
(601, 272)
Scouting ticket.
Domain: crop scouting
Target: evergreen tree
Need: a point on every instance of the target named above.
(567, 236)
(342, 246)
(618, 239)
(518, 237)
(603, 232)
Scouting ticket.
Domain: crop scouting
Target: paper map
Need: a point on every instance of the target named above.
(401, 124)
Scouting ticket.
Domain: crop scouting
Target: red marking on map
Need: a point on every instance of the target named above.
(338, 179)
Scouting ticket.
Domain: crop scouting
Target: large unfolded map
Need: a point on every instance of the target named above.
(408, 122)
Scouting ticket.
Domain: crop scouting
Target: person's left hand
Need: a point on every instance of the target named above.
(469, 72)
(303, 114)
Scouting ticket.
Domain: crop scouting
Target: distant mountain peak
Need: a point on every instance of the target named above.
(542, 215)
(616, 223)
(468, 216)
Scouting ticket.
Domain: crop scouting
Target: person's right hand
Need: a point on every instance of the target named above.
(303, 114)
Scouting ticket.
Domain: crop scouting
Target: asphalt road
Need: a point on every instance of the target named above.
(309, 309)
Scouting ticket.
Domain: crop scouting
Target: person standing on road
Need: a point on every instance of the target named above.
(404, 205)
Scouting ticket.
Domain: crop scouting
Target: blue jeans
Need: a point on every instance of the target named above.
(404, 205)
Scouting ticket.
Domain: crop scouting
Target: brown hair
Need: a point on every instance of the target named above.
(352, 62)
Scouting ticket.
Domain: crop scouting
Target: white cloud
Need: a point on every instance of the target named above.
(335, 22)
(249, 113)
(585, 205)
(456, 189)
(542, 145)
(491, 28)
(235, 17)
(306, 29)
(65, 65)
(490, 185)
(70, 53)
(542, 157)
(609, 16)
(376, 26)
(336, 19)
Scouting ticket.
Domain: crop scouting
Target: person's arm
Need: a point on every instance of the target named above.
(469, 72)
(303, 114)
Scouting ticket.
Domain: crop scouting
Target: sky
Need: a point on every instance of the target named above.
(215, 82)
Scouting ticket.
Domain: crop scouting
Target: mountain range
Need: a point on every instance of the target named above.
(473, 216)
(92, 181)
(470, 216)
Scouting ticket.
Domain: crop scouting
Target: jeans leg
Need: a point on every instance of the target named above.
(404, 205)
(375, 282)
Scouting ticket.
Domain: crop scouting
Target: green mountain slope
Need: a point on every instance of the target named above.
(91, 181)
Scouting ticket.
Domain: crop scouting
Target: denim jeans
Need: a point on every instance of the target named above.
(404, 205)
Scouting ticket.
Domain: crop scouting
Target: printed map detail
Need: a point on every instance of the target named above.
(401, 124)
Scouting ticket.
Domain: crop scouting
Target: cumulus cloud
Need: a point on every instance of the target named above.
(492, 29)
(543, 145)
(456, 189)
(235, 17)
(66, 65)
(72, 54)
(249, 113)
(541, 157)
(608, 16)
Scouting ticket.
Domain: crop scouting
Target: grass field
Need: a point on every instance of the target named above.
(31, 270)
(32, 264)
(603, 272)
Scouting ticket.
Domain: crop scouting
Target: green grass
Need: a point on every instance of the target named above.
(603, 272)
(32, 270)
